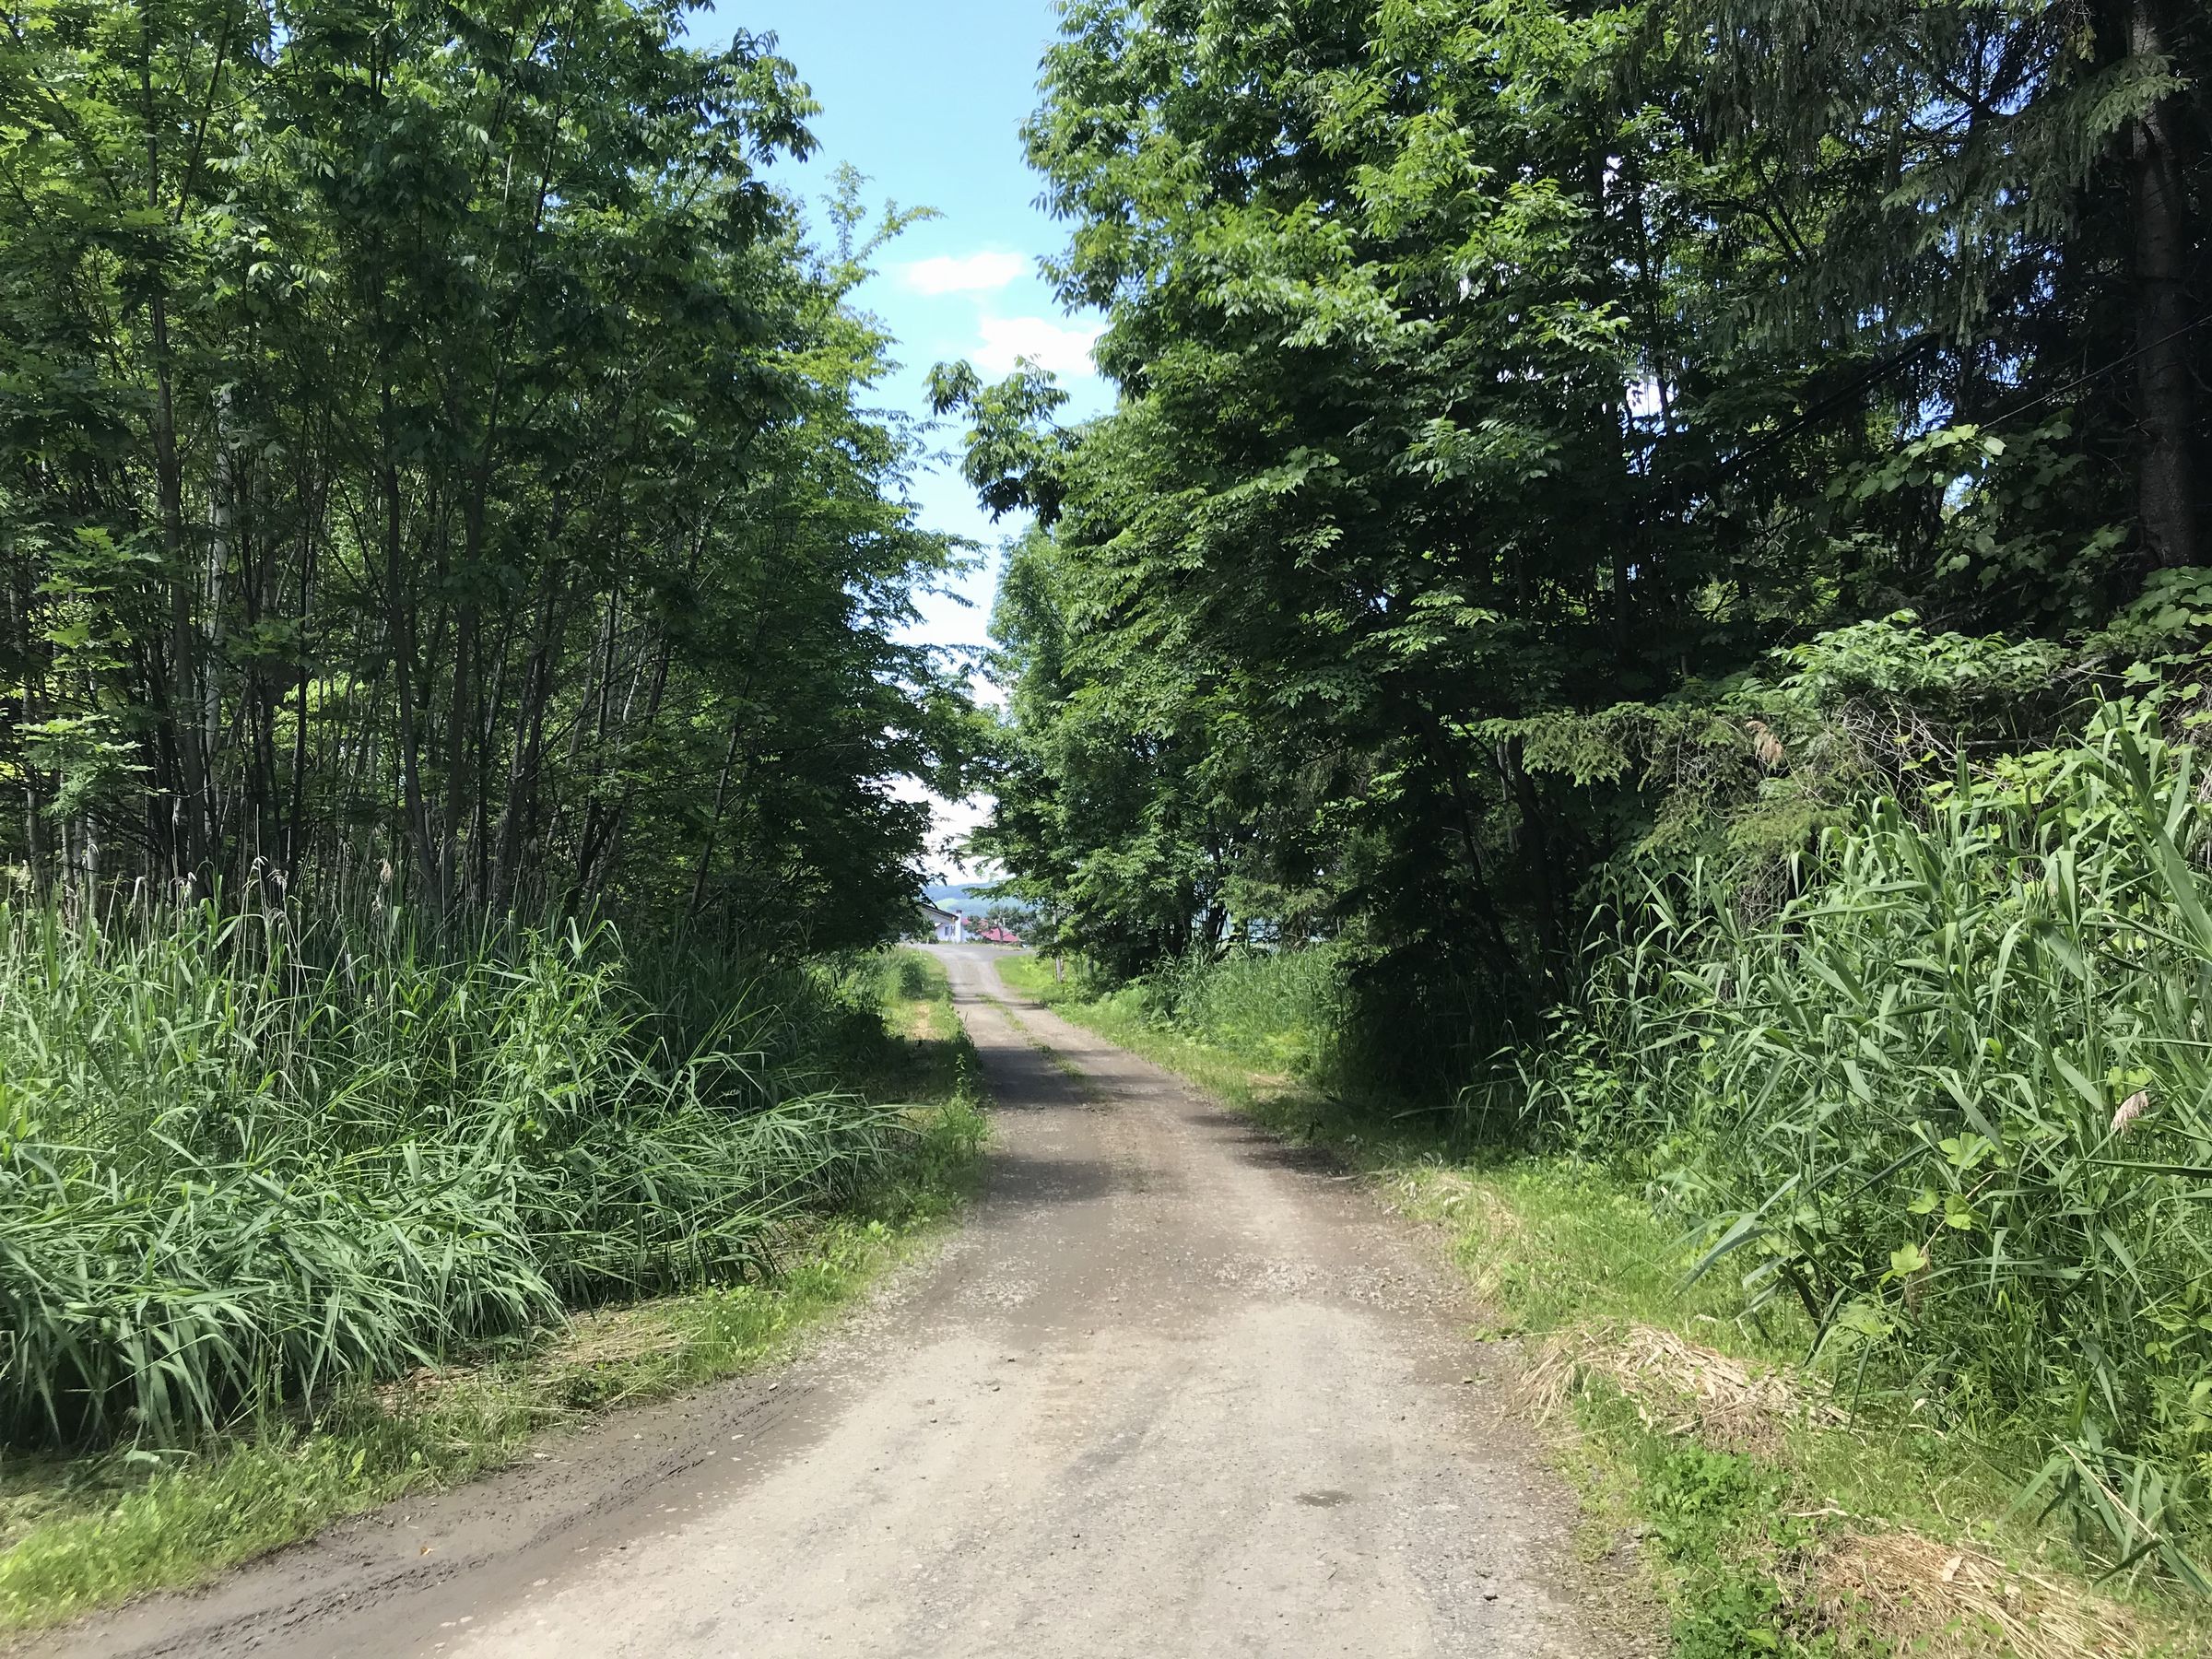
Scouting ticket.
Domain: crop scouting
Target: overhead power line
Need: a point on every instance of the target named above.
(2087, 375)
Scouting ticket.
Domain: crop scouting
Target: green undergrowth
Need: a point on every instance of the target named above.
(78, 1532)
(1942, 1084)
(1752, 1524)
(1126, 1017)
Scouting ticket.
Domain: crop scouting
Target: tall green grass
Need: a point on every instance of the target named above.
(1954, 1097)
(1280, 1012)
(237, 1166)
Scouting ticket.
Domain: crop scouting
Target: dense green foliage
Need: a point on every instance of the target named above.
(1690, 515)
(81, 1529)
(1279, 1015)
(234, 1172)
(433, 464)
(1949, 1096)
(1485, 366)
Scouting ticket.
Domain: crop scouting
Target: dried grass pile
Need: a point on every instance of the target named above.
(1937, 1601)
(1678, 1386)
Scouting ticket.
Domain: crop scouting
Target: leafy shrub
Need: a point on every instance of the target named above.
(1280, 1011)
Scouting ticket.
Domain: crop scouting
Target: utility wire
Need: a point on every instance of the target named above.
(1874, 375)
(1791, 520)
(2087, 375)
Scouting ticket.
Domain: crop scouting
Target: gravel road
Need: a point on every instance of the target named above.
(1175, 1389)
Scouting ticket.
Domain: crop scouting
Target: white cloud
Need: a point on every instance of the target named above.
(1055, 345)
(968, 274)
(951, 822)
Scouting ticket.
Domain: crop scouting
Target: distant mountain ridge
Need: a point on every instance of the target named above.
(968, 898)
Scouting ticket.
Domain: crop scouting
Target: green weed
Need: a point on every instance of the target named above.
(1717, 1523)
(236, 1171)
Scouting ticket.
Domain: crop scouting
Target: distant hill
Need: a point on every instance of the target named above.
(968, 898)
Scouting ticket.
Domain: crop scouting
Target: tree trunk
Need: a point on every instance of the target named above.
(1536, 847)
(184, 680)
(706, 847)
(503, 884)
(460, 720)
(28, 714)
(399, 626)
(294, 831)
(2168, 483)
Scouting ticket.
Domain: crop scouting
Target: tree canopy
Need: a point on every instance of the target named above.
(1500, 385)
(434, 465)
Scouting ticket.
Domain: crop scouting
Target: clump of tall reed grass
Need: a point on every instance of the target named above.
(1953, 1097)
(237, 1166)
(1280, 1011)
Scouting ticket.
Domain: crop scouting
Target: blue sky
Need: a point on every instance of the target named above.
(926, 98)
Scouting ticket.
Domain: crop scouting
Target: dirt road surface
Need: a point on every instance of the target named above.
(1175, 1389)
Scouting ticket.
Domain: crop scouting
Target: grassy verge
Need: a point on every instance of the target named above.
(79, 1533)
(1774, 1512)
(1120, 1017)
